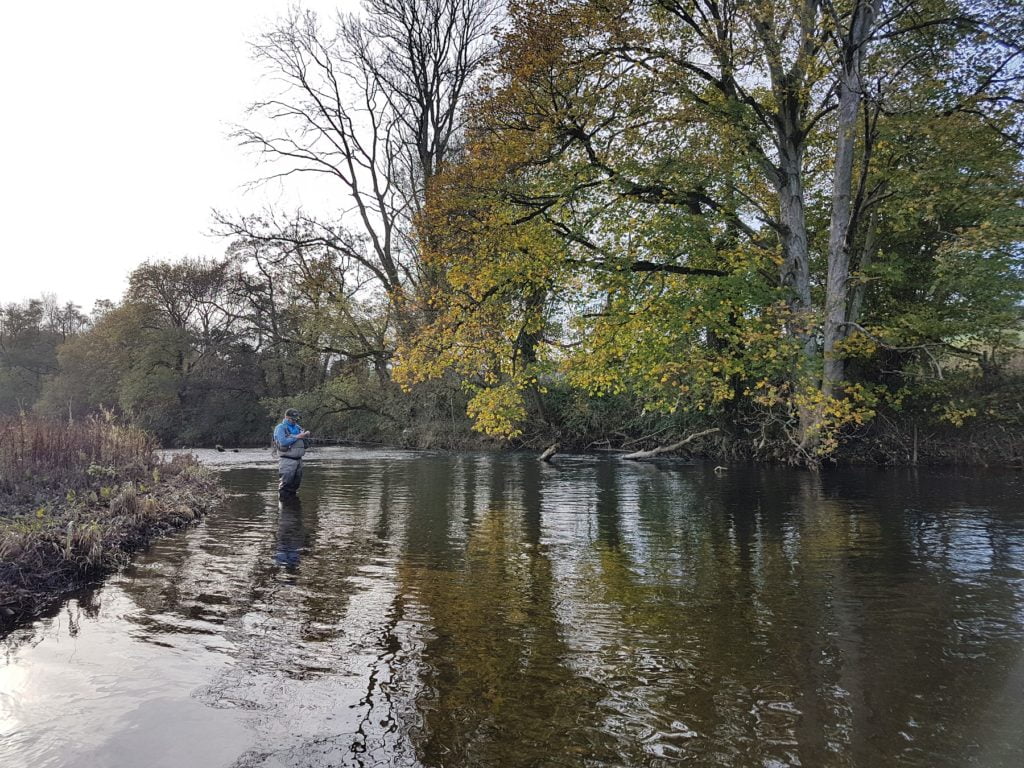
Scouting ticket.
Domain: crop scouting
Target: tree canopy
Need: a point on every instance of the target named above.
(778, 213)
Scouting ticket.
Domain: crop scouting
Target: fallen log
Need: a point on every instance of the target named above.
(637, 455)
(549, 452)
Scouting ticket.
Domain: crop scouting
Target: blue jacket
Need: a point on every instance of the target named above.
(284, 434)
(288, 445)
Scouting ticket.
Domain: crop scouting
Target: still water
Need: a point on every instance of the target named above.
(479, 610)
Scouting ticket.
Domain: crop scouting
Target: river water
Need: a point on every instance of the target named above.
(489, 610)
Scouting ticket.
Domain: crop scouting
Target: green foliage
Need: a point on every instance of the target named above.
(30, 334)
(622, 222)
(172, 357)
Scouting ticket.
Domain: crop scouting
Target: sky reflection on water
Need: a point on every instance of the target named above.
(494, 611)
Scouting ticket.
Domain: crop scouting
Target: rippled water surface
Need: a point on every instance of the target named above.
(492, 611)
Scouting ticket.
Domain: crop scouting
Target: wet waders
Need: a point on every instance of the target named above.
(289, 472)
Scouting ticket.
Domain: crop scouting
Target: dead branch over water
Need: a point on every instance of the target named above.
(668, 448)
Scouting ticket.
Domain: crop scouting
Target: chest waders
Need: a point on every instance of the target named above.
(289, 467)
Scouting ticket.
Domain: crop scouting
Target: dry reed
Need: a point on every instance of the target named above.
(76, 499)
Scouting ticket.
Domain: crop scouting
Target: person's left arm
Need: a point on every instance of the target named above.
(283, 437)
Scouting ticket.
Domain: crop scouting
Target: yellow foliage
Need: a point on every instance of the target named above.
(955, 414)
(498, 411)
(834, 415)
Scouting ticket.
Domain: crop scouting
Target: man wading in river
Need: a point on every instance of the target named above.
(291, 445)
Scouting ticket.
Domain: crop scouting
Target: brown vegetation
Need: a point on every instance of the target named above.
(76, 499)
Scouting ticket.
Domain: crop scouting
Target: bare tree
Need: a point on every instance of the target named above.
(302, 294)
(376, 107)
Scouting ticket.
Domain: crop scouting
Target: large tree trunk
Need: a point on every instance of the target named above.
(837, 282)
(859, 290)
(795, 275)
(795, 271)
(851, 90)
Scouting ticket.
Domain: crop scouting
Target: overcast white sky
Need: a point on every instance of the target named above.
(114, 136)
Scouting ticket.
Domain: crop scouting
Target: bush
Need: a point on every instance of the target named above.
(41, 456)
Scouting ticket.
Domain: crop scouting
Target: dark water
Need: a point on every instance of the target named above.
(493, 611)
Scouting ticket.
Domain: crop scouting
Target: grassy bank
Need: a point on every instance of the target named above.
(76, 499)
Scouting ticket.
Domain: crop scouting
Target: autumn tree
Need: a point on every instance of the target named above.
(716, 187)
(30, 334)
(175, 356)
(319, 330)
(91, 366)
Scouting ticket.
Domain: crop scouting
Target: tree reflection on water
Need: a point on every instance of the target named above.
(483, 610)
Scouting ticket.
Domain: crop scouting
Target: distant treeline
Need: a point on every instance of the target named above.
(196, 352)
(607, 224)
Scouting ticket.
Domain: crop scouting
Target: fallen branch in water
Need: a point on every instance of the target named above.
(637, 455)
(549, 452)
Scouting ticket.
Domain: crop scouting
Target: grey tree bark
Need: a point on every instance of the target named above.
(851, 94)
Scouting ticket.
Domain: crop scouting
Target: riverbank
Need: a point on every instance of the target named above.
(887, 444)
(77, 499)
(883, 443)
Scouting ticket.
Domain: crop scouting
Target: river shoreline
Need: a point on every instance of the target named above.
(77, 500)
(46, 556)
(987, 449)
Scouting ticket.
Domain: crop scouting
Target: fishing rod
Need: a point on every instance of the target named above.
(327, 441)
